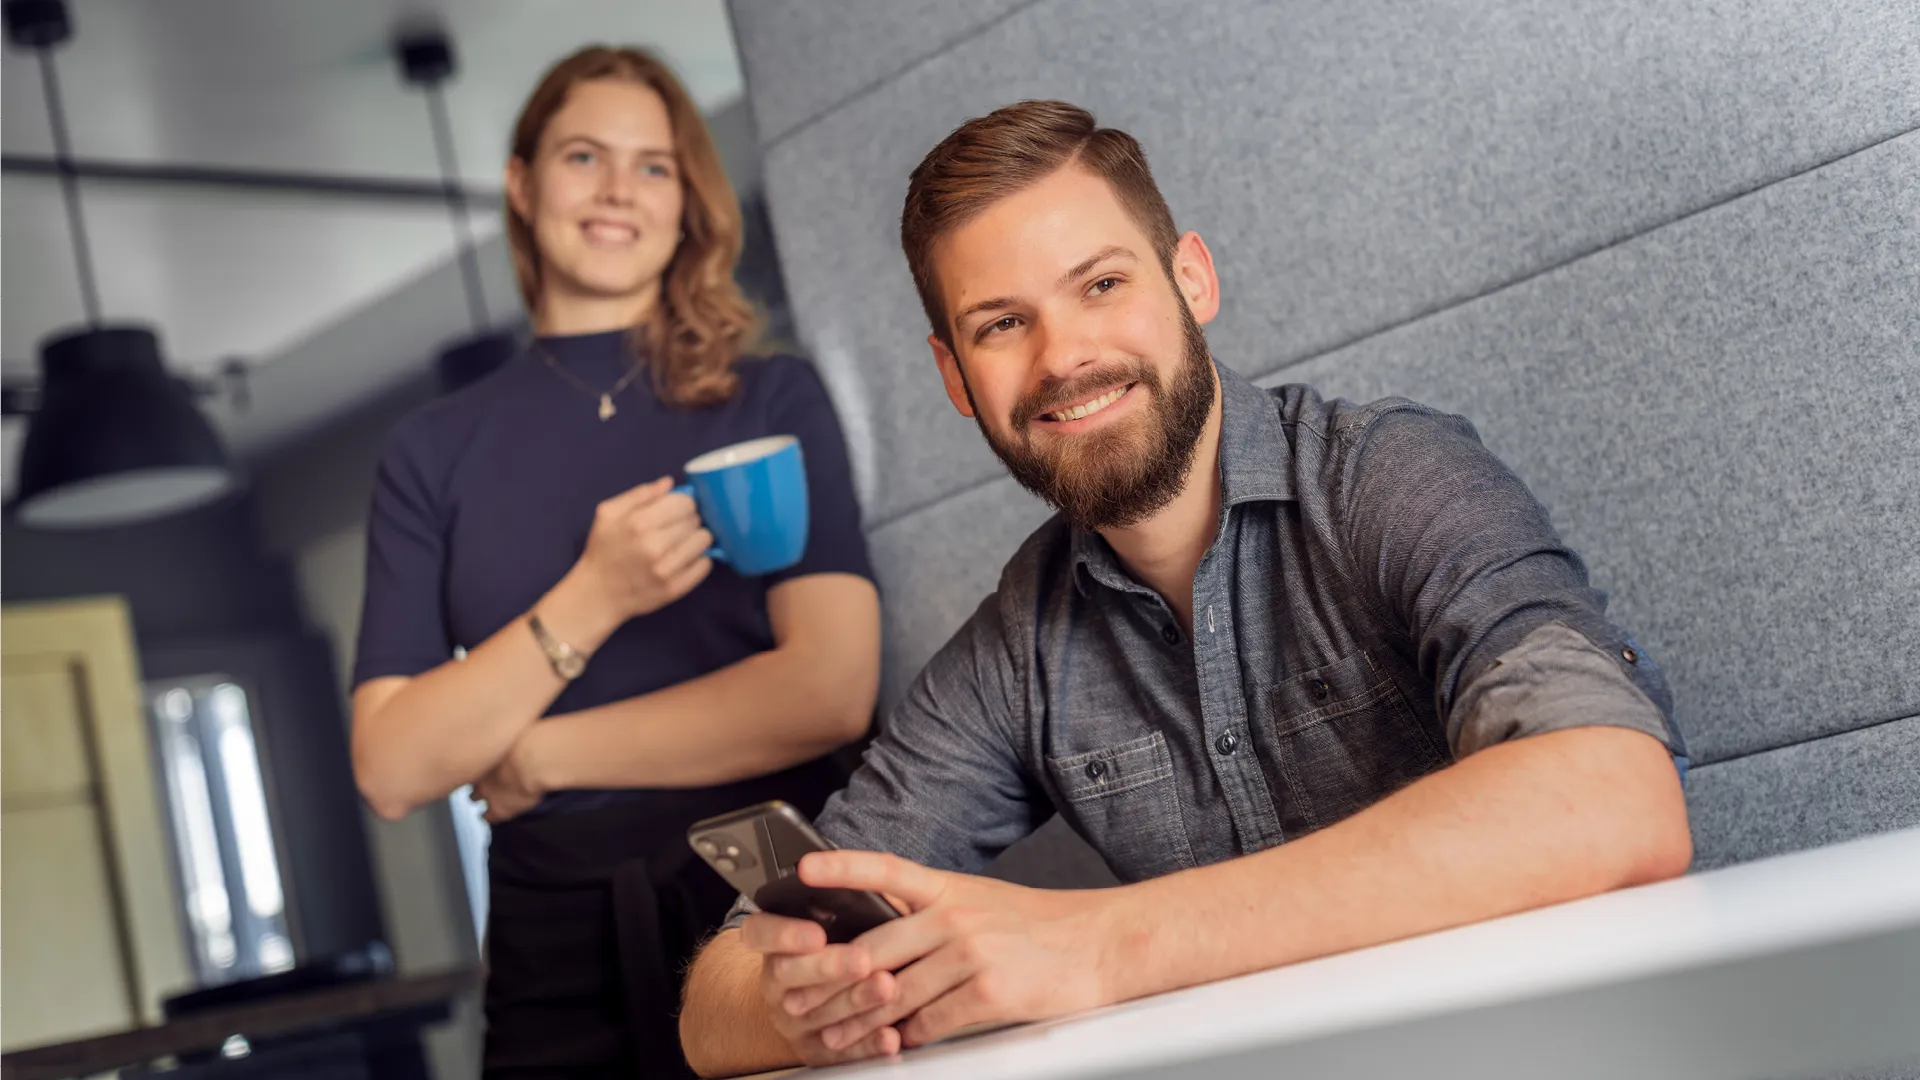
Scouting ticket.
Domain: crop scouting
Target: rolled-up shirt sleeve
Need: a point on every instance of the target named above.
(1514, 638)
(1554, 679)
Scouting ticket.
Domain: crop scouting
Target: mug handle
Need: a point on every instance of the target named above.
(713, 552)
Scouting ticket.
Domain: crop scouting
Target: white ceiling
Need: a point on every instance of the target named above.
(297, 86)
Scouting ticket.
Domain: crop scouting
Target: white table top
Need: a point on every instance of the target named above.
(1767, 908)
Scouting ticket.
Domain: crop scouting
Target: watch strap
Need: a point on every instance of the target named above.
(567, 662)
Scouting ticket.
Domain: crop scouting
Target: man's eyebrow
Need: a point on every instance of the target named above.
(1111, 251)
(984, 305)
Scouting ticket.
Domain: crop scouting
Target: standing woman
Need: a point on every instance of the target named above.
(527, 523)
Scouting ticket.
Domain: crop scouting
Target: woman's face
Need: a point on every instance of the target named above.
(602, 193)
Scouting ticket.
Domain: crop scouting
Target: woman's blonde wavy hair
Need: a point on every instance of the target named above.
(704, 321)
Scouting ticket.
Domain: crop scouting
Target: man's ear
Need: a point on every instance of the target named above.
(956, 383)
(1194, 277)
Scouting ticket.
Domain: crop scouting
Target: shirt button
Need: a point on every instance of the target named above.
(1170, 634)
(1096, 769)
(1630, 655)
(1227, 742)
(1320, 689)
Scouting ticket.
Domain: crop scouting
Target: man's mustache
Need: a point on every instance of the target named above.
(1057, 394)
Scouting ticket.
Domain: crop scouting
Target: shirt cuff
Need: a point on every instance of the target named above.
(742, 908)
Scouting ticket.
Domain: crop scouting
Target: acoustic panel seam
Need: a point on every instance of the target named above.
(1495, 290)
(875, 85)
(1445, 306)
(922, 507)
(1869, 725)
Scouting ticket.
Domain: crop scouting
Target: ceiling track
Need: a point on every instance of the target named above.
(292, 183)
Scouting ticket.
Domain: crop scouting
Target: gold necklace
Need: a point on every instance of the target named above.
(606, 396)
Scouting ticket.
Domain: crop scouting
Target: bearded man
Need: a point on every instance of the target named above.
(1309, 675)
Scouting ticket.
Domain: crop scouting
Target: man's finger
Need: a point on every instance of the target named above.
(807, 999)
(898, 942)
(882, 1043)
(833, 964)
(830, 1005)
(874, 871)
(963, 1007)
(921, 983)
(777, 935)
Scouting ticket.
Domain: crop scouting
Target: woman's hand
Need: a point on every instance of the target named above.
(646, 550)
(514, 786)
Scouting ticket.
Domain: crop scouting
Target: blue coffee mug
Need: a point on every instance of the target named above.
(753, 499)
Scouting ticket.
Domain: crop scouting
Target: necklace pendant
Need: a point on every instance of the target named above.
(606, 408)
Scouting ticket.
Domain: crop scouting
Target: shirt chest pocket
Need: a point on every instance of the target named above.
(1122, 798)
(1344, 738)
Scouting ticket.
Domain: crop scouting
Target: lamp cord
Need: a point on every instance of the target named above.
(457, 208)
(69, 187)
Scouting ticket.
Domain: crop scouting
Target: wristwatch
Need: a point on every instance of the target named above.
(567, 661)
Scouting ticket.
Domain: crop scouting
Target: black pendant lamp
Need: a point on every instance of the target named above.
(116, 439)
(425, 57)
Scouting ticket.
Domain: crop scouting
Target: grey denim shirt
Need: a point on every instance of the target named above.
(1383, 598)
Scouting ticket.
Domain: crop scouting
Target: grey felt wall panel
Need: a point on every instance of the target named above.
(1665, 254)
(1812, 793)
(1354, 165)
(1723, 415)
(936, 566)
(804, 58)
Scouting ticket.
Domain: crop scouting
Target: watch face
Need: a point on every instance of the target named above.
(571, 666)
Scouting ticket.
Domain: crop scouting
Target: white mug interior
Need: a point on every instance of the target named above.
(739, 453)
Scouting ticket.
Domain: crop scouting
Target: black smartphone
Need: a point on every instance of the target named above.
(758, 851)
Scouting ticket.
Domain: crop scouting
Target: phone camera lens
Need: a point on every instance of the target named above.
(725, 865)
(706, 847)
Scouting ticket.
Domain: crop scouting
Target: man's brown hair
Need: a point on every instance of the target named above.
(992, 156)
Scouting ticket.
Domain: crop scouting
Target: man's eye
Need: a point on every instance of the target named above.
(580, 157)
(1106, 285)
(1004, 322)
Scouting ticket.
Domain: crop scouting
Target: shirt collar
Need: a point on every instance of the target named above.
(1254, 460)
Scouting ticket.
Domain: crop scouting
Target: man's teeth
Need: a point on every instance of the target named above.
(1090, 407)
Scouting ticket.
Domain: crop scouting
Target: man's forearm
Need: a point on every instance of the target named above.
(1517, 826)
(724, 1028)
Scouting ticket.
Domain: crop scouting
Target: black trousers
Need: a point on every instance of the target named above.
(592, 922)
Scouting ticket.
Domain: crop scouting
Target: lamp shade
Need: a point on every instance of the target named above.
(115, 440)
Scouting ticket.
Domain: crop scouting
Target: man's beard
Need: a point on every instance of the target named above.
(1126, 472)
